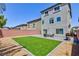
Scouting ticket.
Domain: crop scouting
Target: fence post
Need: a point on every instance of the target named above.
(1, 35)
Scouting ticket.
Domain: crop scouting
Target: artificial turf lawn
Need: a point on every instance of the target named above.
(37, 46)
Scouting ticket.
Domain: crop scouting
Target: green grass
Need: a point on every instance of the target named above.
(37, 46)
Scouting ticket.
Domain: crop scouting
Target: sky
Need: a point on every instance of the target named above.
(21, 13)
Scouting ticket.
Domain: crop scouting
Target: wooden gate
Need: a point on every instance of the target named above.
(75, 50)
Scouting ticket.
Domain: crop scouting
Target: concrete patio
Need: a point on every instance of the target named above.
(8, 47)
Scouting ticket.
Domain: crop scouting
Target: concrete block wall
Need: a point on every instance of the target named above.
(12, 32)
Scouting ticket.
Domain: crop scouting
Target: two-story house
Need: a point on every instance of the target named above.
(34, 24)
(56, 20)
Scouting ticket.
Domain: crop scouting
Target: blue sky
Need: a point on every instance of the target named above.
(22, 13)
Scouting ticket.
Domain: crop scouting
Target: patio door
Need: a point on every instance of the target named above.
(45, 32)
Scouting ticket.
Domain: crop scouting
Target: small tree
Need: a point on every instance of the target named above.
(2, 21)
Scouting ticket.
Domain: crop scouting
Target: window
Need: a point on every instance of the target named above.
(45, 31)
(33, 25)
(51, 20)
(58, 19)
(46, 13)
(59, 31)
(69, 25)
(28, 25)
(42, 21)
(57, 8)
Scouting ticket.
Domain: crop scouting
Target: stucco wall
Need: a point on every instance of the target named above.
(65, 21)
(37, 25)
(9, 33)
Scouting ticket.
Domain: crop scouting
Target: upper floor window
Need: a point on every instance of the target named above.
(33, 25)
(57, 8)
(58, 19)
(46, 13)
(51, 20)
(28, 25)
(69, 26)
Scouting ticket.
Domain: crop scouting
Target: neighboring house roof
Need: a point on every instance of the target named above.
(20, 25)
(27, 23)
(57, 5)
(76, 27)
(34, 20)
(7, 27)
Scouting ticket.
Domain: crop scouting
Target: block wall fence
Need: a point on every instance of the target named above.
(15, 32)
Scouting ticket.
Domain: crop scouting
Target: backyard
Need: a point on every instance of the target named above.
(37, 46)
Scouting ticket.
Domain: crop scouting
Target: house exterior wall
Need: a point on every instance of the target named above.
(37, 25)
(64, 13)
(23, 27)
